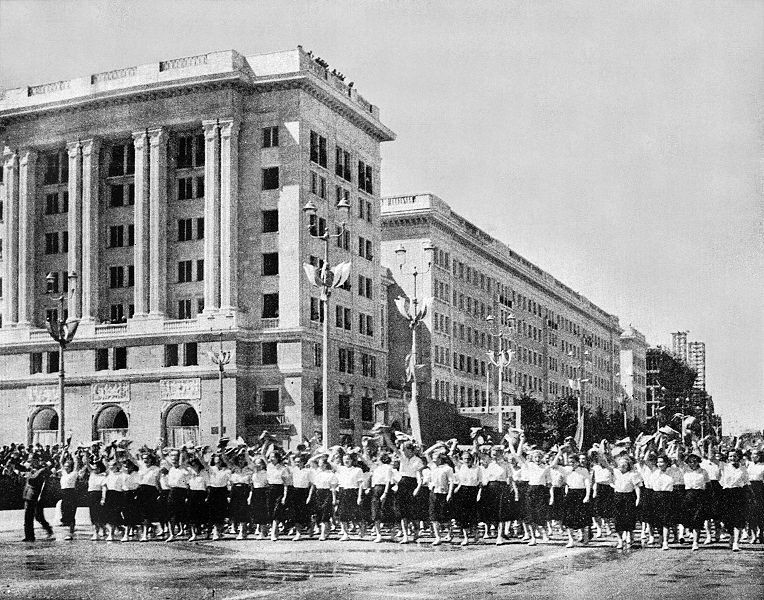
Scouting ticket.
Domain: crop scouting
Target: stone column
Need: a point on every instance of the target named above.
(211, 217)
(141, 224)
(74, 259)
(11, 250)
(229, 195)
(26, 237)
(91, 226)
(158, 222)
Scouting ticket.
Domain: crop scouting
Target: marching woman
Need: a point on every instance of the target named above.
(499, 484)
(538, 495)
(556, 492)
(177, 479)
(163, 514)
(627, 493)
(756, 500)
(279, 481)
(410, 469)
(111, 499)
(677, 470)
(299, 494)
(196, 506)
(694, 499)
(96, 479)
(578, 489)
(130, 508)
(734, 481)
(323, 493)
(240, 478)
(469, 479)
(711, 464)
(349, 479)
(148, 492)
(602, 491)
(662, 483)
(441, 490)
(258, 498)
(68, 479)
(217, 496)
(646, 468)
(382, 497)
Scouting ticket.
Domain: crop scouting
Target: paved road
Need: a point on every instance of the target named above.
(310, 569)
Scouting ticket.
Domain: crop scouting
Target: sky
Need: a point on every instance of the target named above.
(616, 145)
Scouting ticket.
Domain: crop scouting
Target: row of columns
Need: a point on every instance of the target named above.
(150, 225)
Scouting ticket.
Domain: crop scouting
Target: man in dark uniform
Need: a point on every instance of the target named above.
(35, 475)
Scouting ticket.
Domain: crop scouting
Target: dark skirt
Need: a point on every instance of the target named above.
(577, 514)
(537, 504)
(714, 500)
(694, 509)
(176, 505)
(493, 501)
(259, 506)
(301, 510)
(131, 510)
(438, 508)
(465, 506)
(239, 507)
(323, 505)
(217, 504)
(624, 510)
(276, 508)
(422, 504)
(347, 509)
(662, 511)
(147, 498)
(162, 515)
(112, 512)
(734, 500)
(556, 510)
(68, 506)
(645, 508)
(677, 503)
(756, 504)
(96, 509)
(405, 501)
(382, 511)
(196, 507)
(518, 509)
(603, 503)
(364, 511)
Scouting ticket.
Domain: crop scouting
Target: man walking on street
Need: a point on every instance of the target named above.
(36, 475)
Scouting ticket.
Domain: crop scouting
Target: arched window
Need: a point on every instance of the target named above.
(45, 427)
(181, 425)
(111, 424)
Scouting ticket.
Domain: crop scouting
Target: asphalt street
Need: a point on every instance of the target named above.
(238, 570)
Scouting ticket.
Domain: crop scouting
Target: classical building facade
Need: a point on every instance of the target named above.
(557, 335)
(174, 192)
(634, 372)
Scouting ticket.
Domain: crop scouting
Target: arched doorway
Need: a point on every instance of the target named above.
(181, 425)
(110, 424)
(44, 427)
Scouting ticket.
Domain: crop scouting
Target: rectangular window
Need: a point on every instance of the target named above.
(185, 230)
(270, 221)
(317, 225)
(316, 310)
(171, 355)
(270, 353)
(116, 236)
(101, 359)
(351, 362)
(184, 309)
(344, 406)
(53, 358)
(117, 313)
(270, 306)
(271, 137)
(200, 228)
(318, 149)
(116, 277)
(185, 188)
(271, 263)
(51, 204)
(342, 360)
(117, 162)
(116, 196)
(130, 194)
(184, 271)
(367, 408)
(190, 354)
(199, 306)
(348, 318)
(51, 243)
(318, 402)
(200, 269)
(51, 315)
(270, 178)
(130, 235)
(270, 401)
(35, 363)
(373, 367)
(365, 177)
(120, 358)
(64, 241)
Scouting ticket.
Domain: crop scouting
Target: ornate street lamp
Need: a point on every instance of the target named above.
(221, 358)
(327, 279)
(62, 331)
(501, 360)
(414, 314)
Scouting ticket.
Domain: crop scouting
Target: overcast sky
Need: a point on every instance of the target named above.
(616, 145)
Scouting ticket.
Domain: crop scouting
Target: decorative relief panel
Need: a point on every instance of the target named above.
(180, 389)
(39, 395)
(110, 391)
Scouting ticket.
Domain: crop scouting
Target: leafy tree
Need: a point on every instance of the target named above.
(561, 418)
(533, 419)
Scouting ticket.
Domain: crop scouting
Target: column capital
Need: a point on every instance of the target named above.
(211, 127)
(90, 146)
(9, 155)
(140, 137)
(228, 127)
(157, 136)
(73, 148)
(28, 157)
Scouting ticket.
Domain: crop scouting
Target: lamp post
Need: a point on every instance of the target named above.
(326, 279)
(500, 360)
(221, 358)
(414, 314)
(63, 333)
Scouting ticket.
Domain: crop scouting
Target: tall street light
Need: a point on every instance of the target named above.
(414, 314)
(221, 358)
(577, 385)
(63, 333)
(501, 360)
(326, 278)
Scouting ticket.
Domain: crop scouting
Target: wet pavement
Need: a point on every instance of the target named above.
(236, 570)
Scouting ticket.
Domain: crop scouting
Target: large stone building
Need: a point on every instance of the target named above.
(696, 358)
(553, 330)
(634, 372)
(174, 192)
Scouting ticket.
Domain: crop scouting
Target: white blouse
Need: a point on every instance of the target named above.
(148, 475)
(68, 480)
(602, 475)
(301, 478)
(625, 482)
(409, 467)
(259, 479)
(732, 477)
(382, 475)
(662, 481)
(695, 480)
(177, 477)
(440, 478)
(219, 477)
(113, 481)
(713, 469)
(277, 474)
(497, 472)
(756, 471)
(536, 474)
(576, 478)
(199, 481)
(130, 481)
(469, 476)
(349, 477)
(325, 480)
(241, 476)
(96, 481)
(557, 477)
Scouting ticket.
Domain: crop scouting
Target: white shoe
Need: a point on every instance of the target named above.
(94, 537)
(437, 542)
(344, 538)
(192, 537)
(570, 544)
(665, 546)
(240, 536)
(695, 547)
(378, 539)
(735, 547)
(297, 537)
(532, 542)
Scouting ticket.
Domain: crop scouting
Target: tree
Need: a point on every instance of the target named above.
(561, 418)
(533, 419)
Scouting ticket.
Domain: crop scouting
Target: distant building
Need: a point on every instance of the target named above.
(634, 371)
(696, 358)
(679, 344)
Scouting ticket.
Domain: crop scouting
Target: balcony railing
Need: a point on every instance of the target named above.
(110, 329)
(270, 323)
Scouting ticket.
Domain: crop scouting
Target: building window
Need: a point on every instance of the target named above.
(200, 228)
(200, 269)
(184, 271)
(185, 230)
(56, 168)
(116, 277)
(270, 221)
(64, 241)
(53, 358)
(365, 248)
(317, 225)
(51, 315)
(116, 236)
(316, 310)
(185, 188)
(318, 402)
(116, 196)
(344, 406)
(270, 401)
(171, 355)
(117, 313)
(51, 204)
(199, 306)
(190, 354)
(120, 358)
(269, 353)
(343, 238)
(184, 309)
(271, 137)
(318, 149)
(271, 263)
(190, 151)
(101, 359)
(342, 164)
(51, 243)
(318, 185)
(35, 363)
(271, 178)
(365, 177)
(318, 355)
(367, 408)
(270, 306)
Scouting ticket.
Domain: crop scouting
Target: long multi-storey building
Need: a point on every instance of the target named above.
(557, 334)
(174, 192)
(634, 372)
(696, 358)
